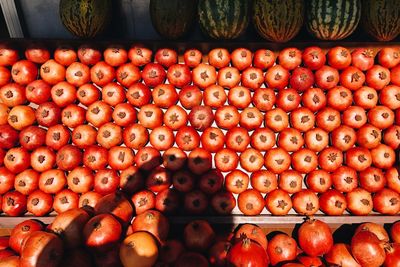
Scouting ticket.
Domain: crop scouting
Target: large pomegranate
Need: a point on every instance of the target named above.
(315, 237)
(247, 253)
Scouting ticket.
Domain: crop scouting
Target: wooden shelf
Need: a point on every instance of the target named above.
(263, 220)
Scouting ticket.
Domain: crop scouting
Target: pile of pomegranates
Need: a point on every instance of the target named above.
(310, 129)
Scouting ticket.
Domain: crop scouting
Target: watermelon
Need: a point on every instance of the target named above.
(332, 19)
(172, 19)
(223, 19)
(381, 19)
(85, 18)
(278, 20)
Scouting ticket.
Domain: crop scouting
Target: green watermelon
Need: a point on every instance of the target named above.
(332, 19)
(223, 19)
(85, 18)
(172, 19)
(381, 19)
(278, 20)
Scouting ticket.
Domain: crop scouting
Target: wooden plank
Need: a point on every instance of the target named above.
(263, 220)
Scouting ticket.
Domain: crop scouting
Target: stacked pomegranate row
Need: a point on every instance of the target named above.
(105, 236)
(85, 123)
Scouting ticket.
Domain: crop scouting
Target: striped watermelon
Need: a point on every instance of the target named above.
(278, 20)
(332, 19)
(223, 19)
(85, 18)
(172, 19)
(381, 19)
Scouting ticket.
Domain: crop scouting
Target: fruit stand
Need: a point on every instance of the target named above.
(185, 152)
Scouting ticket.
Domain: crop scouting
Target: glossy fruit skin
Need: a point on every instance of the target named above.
(375, 228)
(219, 57)
(362, 58)
(53, 72)
(263, 59)
(152, 221)
(21, 232)
(24, 72)
(17, 159)
(247, 253)
(340, 254)
(344, 179)
(339, 57)
(394, 74)
(42, 242)
(395, 231)
(301, 79)
(63, 94)
(389, 57)
(14, 203)
(305, 202)
(288, 99)
(330, 159)
(183, 181)
(195, 202)
(359, 202)
(26, 182)
(393, 182)
(281, 248)
(102, 232)
(32, 137)
(223, 202)
(8, 56)
(387, 201)
(352, 78)
(179, 75)
(204, 75)
(48, 114)
(392, 255)
(143, 200)
(372, 179)
(313, 58)
(358, 158)
(8, 136)
(21, 117)
(332, 202)
(326, 77)
(277, 77)
(192, 57)
(252, 232)
(211, 182)
(315, 237)
(38, 92)
(69, 225)
(377, 77)
(139, 249)
(116, 204)
(365, 97)
(39, 203)
(236, 181)
(250, 202)
(366, 249)
(65, 200)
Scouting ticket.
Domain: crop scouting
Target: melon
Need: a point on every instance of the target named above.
(278, 20)
(172, 19)
(381, 19)
(223, 19)
(332, 19)
(85, 18)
